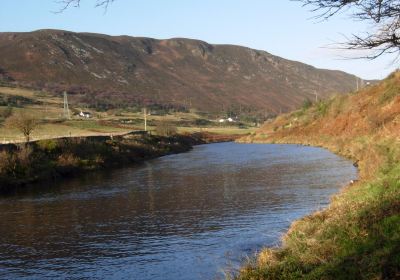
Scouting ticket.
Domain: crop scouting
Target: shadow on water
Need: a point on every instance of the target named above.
(183, 216)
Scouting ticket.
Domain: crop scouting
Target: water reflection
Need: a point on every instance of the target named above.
(178, 217)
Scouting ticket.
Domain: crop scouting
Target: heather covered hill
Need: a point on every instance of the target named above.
(108, 71)
(357, 236)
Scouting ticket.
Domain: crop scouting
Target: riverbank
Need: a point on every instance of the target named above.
(55, 159)
(358, 235)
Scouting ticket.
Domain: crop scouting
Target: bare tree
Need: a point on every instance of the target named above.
(383, 14)
(24, 123)
(65, 4)
(165, 128)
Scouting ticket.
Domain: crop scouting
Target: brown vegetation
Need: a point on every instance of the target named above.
(24, 123)
(357, 236)
(107, 72)
(63, 157)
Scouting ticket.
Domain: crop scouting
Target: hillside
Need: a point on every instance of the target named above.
(357, 236)
(110, 71)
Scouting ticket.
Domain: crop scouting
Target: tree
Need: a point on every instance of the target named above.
(23, 122)
(383, 14)
(165, 128)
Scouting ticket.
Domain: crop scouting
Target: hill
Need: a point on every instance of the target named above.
(357, 236)
(113, 71)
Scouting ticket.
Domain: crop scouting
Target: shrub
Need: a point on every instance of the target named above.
(48, 145)
(306, 104)
(24, 156)
(4, 157)
(67, 160)
(16, 164)
(202, 122)
(389, 94)
(322, 108)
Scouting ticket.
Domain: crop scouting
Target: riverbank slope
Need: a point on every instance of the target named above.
(358, 235)
(52, 159)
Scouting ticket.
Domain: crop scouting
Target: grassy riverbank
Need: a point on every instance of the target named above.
(358, 235)
(64, 157)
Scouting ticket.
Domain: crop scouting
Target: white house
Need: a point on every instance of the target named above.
(86, 115)
(226, 120)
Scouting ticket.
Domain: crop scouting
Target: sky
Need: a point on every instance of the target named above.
(283, 28)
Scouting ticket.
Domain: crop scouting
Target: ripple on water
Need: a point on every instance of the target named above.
(186, 216)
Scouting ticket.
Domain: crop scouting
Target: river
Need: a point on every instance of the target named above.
(187, 216)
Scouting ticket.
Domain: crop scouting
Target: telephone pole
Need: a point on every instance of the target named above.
(145, 118)
(357, 83)
(66, 107)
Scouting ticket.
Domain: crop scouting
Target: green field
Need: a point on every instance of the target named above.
(49, 111)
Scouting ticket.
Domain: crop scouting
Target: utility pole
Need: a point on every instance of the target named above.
(358, 87)
(145, 118)
(316, 96)
(66, 107)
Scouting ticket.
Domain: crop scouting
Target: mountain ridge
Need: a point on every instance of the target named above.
(110, 71)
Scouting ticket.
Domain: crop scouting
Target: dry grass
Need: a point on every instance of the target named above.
(358, 235)
(49, 110)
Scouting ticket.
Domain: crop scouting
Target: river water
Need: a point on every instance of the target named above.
(187, 216)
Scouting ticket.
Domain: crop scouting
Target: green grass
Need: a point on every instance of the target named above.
(49, 109)
(389, 94)
(218, 130)
(358, 237)
(61, 129)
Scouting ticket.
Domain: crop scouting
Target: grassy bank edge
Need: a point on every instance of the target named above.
(356, 237)
(22, 165)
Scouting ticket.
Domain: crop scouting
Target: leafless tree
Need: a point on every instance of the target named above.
(23, 122)
(165, 128)
(383, 14)
(65, 4)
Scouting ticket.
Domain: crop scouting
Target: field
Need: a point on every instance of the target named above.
(49, 110)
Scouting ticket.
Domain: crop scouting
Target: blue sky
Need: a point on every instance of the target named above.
(283, 27)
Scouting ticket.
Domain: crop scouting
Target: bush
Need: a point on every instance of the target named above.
(322, 108)
(202, 122)
(389, 94)
(306, 104)
(67, 160)
(16, 164)
(4, 157)
(48, 145)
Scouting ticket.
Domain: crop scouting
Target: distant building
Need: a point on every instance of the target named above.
(226, 120)
(86, 115)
